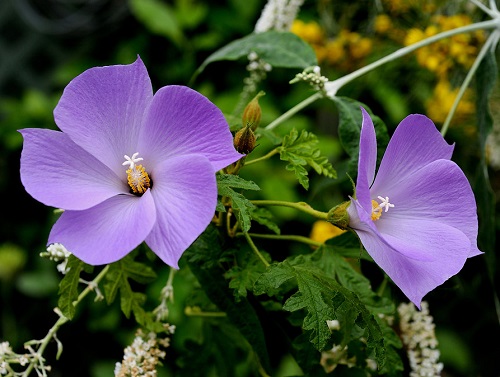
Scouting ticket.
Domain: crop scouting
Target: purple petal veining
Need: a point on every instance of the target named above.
(427, 228)
(164, 192)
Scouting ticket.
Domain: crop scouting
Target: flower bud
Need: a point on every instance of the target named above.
(338, 215)
(244, 140)
(252, 113)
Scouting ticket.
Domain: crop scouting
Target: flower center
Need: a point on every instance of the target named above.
(137, 177)
(378, 208)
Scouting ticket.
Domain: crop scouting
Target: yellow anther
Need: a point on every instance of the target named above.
(376, 210)
(138, 179)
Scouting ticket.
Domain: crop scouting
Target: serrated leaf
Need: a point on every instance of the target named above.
(323, 299)
(279, 49)
(241, 205)
(350, 121)
(117, 280)
(302, 149)
(68, 287)
(264, 217)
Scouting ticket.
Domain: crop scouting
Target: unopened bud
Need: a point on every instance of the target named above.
(252, 113)
(244, 140)
(338, 215)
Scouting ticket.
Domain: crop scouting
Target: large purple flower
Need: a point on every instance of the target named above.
(128, 166)
(417, 218)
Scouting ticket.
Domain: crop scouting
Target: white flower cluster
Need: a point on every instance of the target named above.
(58, 253)
(141, 358)
(278, 15)
(418, 336)
(9, 359)
(312, 75)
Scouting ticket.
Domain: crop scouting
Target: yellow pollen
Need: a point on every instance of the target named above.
(376, 210)
(138, 179)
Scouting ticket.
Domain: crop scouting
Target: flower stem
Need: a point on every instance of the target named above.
(285, 116)
(296, 238)
(255, 249)
(490, 24)
(486, 47)
(62, 320)
(265, 157)
(301, 206)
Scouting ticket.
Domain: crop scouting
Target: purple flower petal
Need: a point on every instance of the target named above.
(437, 192)
(59, 173)
(181, 121)
(366, 162)
(415, 143)
(185, 194)
(412, 254)
(107, 232)
(102, 111)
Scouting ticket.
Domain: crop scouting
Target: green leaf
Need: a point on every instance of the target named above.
(202, 257)
(241, 205)
(279, 49)
(323, 299)
(263, 216)
(485, 81)
(350, 121)
(68, 287)
(159, 18)
(300, 150)
(117, 280)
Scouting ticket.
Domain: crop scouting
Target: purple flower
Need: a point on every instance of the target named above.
(128, 166)
(417, 218)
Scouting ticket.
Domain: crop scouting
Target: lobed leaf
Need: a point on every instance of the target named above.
(323, 299)
(302, 149)
(241, 205)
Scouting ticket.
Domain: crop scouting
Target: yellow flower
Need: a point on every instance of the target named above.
(309, 31)
(442, 100)
(323, 230)
(382, 24)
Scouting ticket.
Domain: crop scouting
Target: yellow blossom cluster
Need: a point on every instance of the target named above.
(442, 56)
(345, 51)
(442, 100)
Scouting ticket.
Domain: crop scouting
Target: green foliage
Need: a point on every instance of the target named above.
(117, 280)
(350, 121)
(486, 79)
(264, 217)
(68, 288)
(324, 299)
(280, 49)
(302, 149)
(201, 258)
(241, 205)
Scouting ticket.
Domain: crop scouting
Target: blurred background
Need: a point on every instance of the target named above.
(46, 43)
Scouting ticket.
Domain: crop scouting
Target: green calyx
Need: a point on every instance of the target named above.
(338, 215)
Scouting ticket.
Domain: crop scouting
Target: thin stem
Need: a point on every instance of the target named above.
(255, 249)
(301, 206)
(337, 84)
(489, 42)
(285, 116)
(189, 311)
(484, 8)
(259, 159)
(62, 319)
(296, 238)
